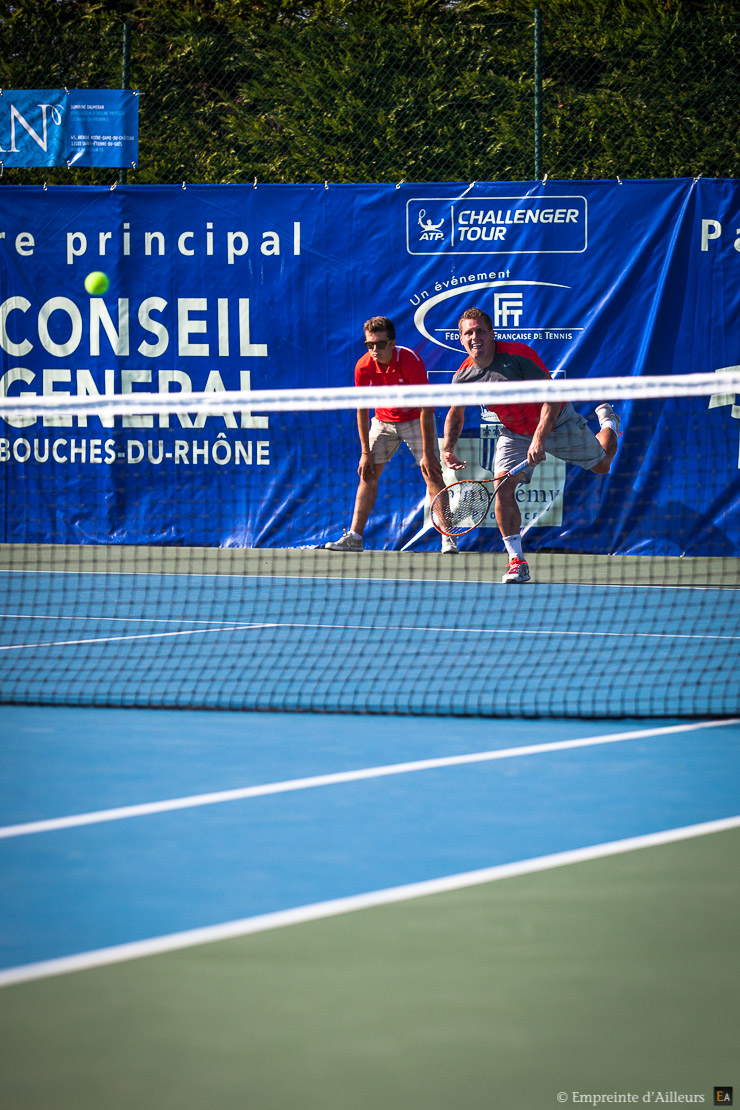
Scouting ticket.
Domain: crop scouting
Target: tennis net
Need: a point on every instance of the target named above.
(167, 550)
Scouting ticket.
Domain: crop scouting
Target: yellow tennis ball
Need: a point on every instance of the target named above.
(97, 283)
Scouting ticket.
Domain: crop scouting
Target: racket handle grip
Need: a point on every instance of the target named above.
(519, 467)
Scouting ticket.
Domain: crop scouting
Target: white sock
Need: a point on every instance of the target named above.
(514, 545)
(607, 419)
(355, 535)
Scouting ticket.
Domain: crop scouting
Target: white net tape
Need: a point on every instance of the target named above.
(406, 396)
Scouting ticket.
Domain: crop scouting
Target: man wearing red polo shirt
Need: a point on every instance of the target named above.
(386, 364)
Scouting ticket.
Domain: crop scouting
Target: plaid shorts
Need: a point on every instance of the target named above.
(570, 440)
(386, 438)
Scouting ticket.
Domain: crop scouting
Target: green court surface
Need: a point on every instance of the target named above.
(468, 566)
(613, 977)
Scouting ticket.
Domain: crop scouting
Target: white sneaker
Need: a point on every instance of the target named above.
(517, 571)
(347, 543)
(608, 418)
(449, 546)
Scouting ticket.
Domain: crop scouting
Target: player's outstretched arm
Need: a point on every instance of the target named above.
(453, 427)
(548, 415)
(430, 467)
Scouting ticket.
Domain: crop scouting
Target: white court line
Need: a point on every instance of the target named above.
(316, 911)
(494, 581)
(127, 620)
(192, 801)
(511, 631)
(136, 636)
(627, 634)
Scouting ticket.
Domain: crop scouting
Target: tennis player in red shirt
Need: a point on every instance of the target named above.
(387, 364)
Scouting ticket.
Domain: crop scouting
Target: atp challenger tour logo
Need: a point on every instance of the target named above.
(497, 225)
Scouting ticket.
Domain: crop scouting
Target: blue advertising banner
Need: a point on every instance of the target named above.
(69, 127)
(221, 288)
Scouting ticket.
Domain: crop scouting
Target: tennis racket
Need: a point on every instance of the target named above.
(462, 506)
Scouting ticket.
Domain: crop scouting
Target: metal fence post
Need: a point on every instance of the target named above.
(125, 59)
(537, 95)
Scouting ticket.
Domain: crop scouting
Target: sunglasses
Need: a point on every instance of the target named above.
(381, 344)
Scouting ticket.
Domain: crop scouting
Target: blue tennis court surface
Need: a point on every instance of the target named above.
(352, 807)
(130, 827)
(369, 645)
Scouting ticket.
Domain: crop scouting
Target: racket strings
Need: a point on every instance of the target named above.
(460, 507)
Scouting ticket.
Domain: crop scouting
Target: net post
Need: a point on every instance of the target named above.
(125, 63)
(537, 95)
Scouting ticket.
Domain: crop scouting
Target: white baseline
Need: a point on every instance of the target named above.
(297, 915)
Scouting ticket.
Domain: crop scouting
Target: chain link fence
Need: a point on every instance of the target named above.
(509, 94)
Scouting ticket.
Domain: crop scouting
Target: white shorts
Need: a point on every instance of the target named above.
(570, 440)
(386, 438)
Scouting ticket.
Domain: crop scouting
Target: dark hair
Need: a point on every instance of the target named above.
(380, 323)
(476, 314)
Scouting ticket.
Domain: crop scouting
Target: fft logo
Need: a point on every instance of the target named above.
(507, 309)
(512, 305)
